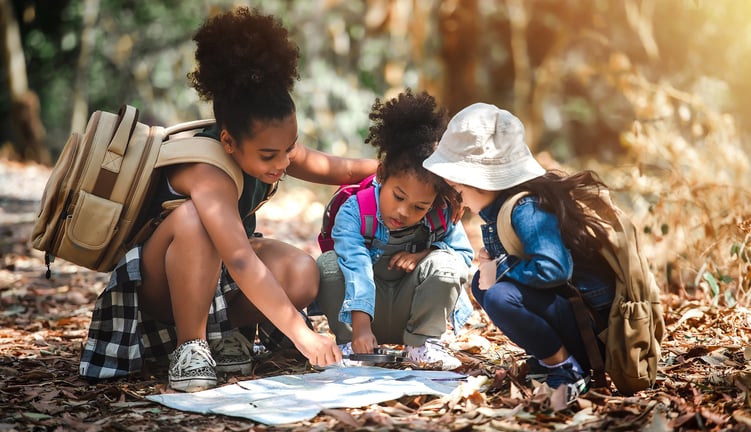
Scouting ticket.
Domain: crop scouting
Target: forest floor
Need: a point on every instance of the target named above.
(703, 380)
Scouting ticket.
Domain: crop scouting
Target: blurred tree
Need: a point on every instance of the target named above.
(80, 88)
(460, 43)
(22, 102)
(558, 65)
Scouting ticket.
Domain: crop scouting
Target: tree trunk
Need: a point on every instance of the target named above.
(24, 107)
(459, 29)
(80, 90)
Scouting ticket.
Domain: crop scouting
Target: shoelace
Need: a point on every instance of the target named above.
(233, 345)
(194, 357)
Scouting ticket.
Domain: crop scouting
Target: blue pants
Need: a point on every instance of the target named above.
(539, 321)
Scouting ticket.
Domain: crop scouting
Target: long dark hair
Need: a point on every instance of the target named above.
(247, 66)
(567, 196)
(406, 130)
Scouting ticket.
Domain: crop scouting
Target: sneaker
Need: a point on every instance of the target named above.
(191, 367)
(576, 383)
(233, 354)
(535, 370)
(346, 350)
(432, 354)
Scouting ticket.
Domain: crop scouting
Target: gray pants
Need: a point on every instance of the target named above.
(408, 310)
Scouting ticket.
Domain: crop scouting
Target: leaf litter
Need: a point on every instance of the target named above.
(698, 248)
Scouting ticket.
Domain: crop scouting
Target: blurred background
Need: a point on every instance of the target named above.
(652, 94)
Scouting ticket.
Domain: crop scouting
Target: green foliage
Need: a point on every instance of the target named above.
(143, 51)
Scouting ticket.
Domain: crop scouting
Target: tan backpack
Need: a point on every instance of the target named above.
(90, 211)
(636, 324)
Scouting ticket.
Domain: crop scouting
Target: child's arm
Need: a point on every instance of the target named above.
(550, 263)
(354, 261)
(319, 167)
(214, 196)
(486, 266)
(363, 339)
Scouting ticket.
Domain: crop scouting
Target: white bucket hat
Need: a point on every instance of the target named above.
(484, 147)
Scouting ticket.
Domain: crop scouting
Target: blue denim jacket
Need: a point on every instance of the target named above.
(356, 260)
(550, 264)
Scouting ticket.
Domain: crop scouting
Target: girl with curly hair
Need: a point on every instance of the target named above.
(484, 157)
(204, 272)
(404, 286)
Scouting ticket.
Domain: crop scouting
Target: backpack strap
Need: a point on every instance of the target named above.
(200, 149)
(187, 150)
(437, 221)
(505, 229)
(583, 314)
(127, 119)
(368, 222)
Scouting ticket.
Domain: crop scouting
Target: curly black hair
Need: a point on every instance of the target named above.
(247, 67)
(406, 130)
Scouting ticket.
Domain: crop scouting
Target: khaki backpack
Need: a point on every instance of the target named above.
(636, 324)
(91, 208)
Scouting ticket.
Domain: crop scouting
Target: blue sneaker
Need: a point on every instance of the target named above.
(575, 382)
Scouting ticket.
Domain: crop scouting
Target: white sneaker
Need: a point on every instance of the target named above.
(233, 354)
(191, 367)
(432, 354)
(346, 350)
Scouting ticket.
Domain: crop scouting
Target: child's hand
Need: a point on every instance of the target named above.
(486, 267)
(364, 343)
(483, 255)
(319, 349)
(363, 339)
(407, 261)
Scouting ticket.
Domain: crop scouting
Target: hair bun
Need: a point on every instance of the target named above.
(243, 51)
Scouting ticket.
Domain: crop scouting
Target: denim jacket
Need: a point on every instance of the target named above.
(550, 264)
(356, 260)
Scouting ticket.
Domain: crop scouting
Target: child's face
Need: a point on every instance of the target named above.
(405, 200)
(267, 155)
(473, 198)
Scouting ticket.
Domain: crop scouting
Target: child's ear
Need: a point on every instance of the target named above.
(227, 141)
(380, 173)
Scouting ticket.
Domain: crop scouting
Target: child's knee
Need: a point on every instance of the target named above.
(445, 265)
(328, 265)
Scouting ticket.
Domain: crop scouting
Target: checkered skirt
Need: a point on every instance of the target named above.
(121, 337)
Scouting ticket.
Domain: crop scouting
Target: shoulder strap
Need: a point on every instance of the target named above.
(436, 219)
(506, 233)
(367, 201)
(200, 149)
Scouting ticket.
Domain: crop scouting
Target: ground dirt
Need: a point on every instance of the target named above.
(702, 384)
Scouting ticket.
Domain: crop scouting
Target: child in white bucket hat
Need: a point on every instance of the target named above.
(484, 157)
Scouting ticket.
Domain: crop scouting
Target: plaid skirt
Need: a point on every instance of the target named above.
(121, 337)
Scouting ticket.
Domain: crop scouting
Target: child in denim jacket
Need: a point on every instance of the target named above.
(381, 293)
(484, 157)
